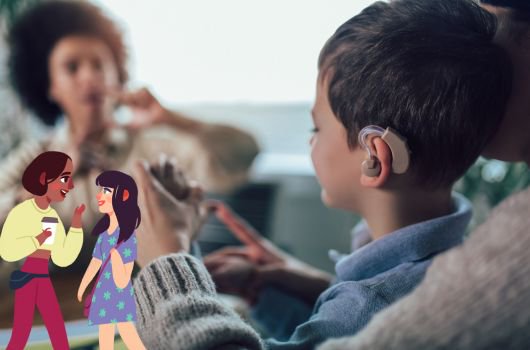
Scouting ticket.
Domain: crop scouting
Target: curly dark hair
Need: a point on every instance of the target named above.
(35, 33)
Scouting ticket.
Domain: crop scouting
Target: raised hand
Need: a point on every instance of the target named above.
(172, 179)
(77, 218)
(146, 109)
(168, 224)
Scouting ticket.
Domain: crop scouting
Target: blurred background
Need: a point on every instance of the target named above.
(251, 64)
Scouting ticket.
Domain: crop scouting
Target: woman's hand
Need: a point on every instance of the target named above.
(256, 248)
(77, 218)
(233, 273)
(168, 224)
(270, 265)
(41, 237)
(147, 110)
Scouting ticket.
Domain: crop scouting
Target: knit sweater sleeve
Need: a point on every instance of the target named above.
(178, 309)
(473, 297)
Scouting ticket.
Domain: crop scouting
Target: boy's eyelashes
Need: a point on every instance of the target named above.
(313, 130)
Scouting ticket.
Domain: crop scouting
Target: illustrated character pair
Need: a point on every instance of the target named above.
(33, 231)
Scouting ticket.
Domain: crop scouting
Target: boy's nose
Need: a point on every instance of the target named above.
(71, 184)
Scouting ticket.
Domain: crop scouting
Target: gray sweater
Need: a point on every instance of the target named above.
(475, 296)
(178, 309)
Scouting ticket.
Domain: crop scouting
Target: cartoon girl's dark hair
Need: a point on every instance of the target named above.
(51, 163)
(124, 202)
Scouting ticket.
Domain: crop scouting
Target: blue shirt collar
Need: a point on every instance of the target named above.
(411, 243)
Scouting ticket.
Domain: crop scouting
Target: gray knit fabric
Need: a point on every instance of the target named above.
(178, 309)
(474, 297)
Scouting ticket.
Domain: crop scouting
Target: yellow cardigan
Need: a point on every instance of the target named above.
(23, 225)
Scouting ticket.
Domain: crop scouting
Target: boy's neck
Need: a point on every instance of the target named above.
(389, 211)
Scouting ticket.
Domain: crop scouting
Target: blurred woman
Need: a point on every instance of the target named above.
(68, 65)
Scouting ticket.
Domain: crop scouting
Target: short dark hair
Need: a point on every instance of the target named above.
(52, 163)
(429, 70)
(34, 35)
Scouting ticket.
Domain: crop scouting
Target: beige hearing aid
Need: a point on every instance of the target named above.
(396, 143)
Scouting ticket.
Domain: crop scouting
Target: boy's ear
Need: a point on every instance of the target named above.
(384, 156)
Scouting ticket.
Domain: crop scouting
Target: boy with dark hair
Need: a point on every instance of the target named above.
(420, 88)
(477, 295)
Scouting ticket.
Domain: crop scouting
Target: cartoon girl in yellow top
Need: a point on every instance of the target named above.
(34, 231)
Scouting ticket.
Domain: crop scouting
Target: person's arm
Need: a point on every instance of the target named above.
(475, 296)
(274, 267)
(14, 243)
(90, 273)
(177, 292)
(68, 246)
(121, 272)
(92, 269)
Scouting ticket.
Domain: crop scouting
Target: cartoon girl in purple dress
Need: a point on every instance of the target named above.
(112, 302)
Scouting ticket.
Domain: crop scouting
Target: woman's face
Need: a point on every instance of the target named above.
(82, 70)
(59, 188)
(104, 198)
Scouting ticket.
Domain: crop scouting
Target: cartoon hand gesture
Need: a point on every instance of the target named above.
(43, 235)
(77, 221)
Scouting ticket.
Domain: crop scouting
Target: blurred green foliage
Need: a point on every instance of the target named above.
(488, 182)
